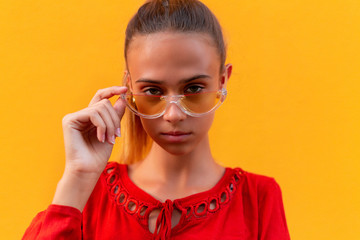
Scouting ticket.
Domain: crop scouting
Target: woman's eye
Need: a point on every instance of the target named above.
(152, 91)
(193, 89)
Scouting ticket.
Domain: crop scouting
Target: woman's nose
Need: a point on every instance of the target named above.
(173, 113)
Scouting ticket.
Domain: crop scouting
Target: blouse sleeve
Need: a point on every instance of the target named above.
(56, 222)
(272, 224)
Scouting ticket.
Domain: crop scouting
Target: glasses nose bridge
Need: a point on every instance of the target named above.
(173, 99)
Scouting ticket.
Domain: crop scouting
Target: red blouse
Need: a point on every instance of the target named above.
(241, 205)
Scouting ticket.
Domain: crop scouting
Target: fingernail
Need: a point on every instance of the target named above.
(103, 138)
(112, 140)
(117, 132)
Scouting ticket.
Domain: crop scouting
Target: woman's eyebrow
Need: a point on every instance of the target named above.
(186, 80)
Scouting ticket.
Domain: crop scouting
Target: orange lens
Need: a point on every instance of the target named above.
(201, 102)
(146, 104)
(195, 103)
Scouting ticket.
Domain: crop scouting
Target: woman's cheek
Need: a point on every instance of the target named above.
(150, 126)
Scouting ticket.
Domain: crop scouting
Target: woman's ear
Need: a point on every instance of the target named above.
(228, 70)
(226, 75)
(127, 79)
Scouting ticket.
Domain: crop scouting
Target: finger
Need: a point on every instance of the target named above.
(114, 116)
(80, 120)
(98, 122)
(106, 117)
(120, 106)
(107, 93)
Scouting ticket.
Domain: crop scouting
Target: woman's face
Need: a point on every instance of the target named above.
(169, 63)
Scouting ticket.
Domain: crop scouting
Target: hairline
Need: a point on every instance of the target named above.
(206, 36)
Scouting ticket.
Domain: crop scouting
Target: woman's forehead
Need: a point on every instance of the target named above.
(171, 36)
(179, 55)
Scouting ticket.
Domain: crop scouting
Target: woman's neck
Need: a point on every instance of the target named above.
(177, 175)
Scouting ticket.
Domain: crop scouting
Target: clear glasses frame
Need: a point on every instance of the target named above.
(173, 99)
(176, 99)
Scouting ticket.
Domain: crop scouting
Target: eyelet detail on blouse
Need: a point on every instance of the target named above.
(114, 190)
(224, 197)
(121, 198)
(112, 178)
(212, 201)
(202, 207)
(189, 212)
(132, 205)
(238, 173)
(236, 178)
(196, 210)
(231, 187)
(109, 170)
(142, 210)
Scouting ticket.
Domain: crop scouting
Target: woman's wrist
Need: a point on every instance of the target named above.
(74, 189)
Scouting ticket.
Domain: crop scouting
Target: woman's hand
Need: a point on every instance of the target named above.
(89, 135)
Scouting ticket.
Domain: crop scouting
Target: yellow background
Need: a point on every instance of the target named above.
(293, 109)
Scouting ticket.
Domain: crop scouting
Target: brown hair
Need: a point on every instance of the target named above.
(160, 16)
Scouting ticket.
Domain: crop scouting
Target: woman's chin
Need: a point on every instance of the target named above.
(178, 149)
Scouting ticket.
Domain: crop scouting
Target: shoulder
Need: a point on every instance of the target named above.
(263, 194)
(258, 185)
(262, 182)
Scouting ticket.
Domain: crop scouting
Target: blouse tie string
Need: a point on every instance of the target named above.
(163, 222)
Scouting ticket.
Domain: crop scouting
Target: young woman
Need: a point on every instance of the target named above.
(170, 186)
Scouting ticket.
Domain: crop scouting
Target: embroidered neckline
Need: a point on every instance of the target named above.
(140, 204)
(191, 198)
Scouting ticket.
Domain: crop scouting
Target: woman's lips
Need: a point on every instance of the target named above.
(176, 136)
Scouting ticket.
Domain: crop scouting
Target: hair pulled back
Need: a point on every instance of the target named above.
(155, 16)
(178, 16)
